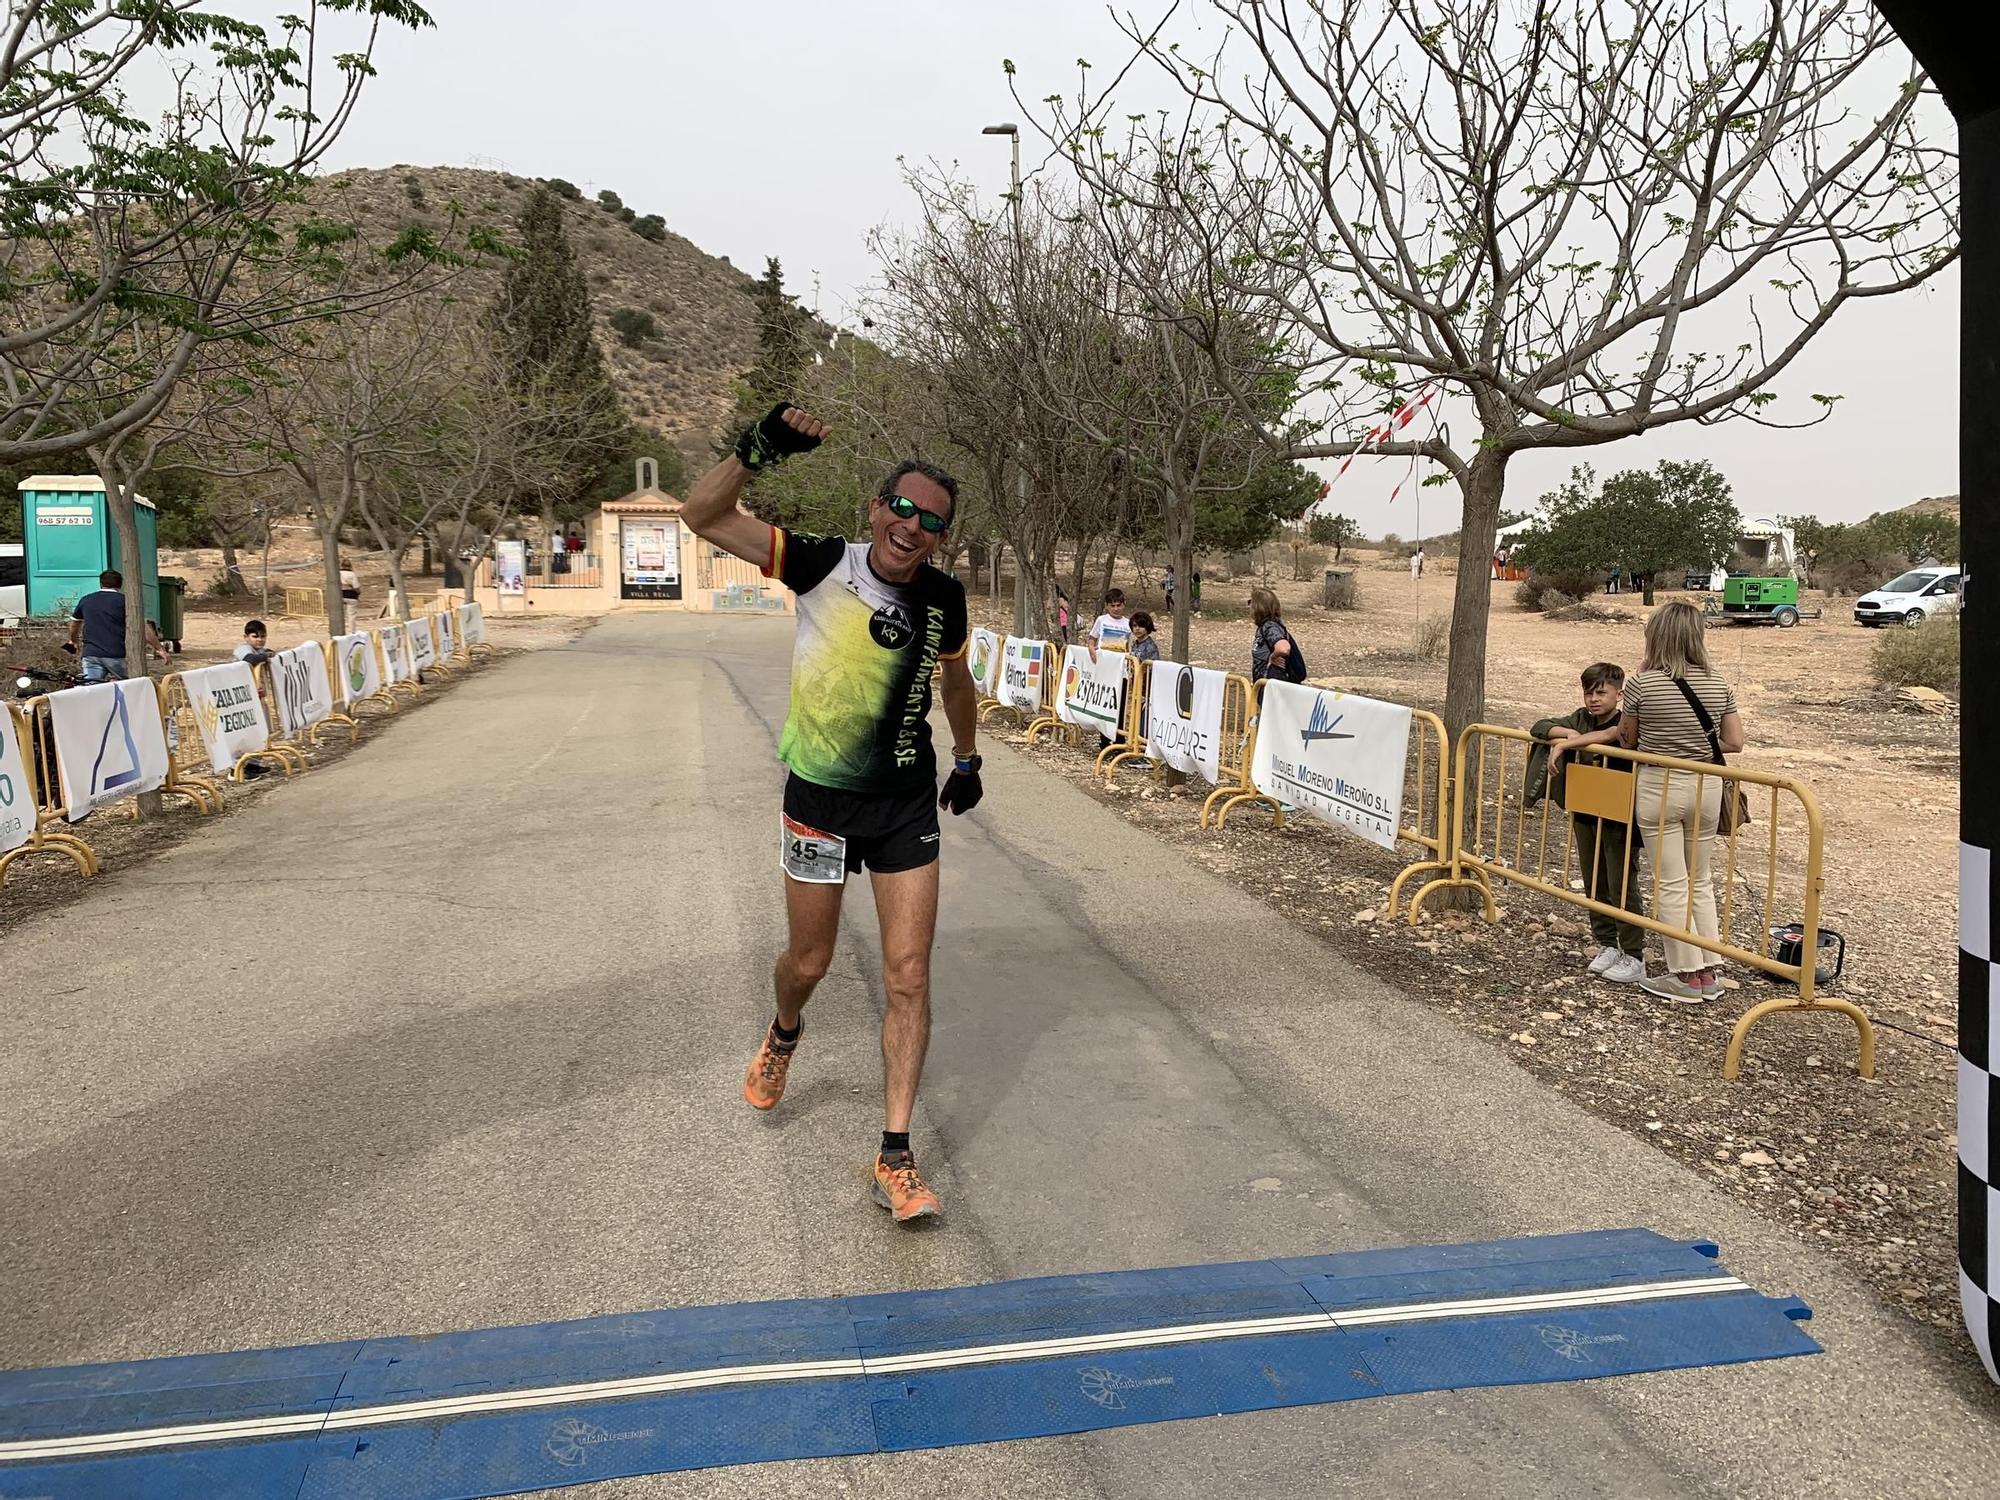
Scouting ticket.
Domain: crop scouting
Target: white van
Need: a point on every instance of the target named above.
(13, 583)
(1911, 598)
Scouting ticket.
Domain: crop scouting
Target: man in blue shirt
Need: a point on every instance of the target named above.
(97, 627)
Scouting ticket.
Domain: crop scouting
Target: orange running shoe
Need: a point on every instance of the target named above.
(764, 1084)
(899, 1189)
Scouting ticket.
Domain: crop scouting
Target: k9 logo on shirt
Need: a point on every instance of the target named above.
(891, 628)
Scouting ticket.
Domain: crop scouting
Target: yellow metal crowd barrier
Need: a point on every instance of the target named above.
(304, 604)
(1771, 870)
(1234, 755)
(188, 771)
(1130, 741)
(43, 793)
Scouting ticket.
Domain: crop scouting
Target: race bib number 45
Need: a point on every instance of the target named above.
(809, 855)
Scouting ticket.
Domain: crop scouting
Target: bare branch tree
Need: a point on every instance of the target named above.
(1582, 219)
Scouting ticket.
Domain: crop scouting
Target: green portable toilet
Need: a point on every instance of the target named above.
(70, 540)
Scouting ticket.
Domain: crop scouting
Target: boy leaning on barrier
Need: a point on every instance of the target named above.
(1605, 854)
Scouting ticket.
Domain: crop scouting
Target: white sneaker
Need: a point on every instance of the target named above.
(1606, 957)
(1624, 969)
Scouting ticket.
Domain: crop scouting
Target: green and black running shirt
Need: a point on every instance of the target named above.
(862, 664)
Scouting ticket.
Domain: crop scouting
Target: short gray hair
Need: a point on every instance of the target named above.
(887, 488)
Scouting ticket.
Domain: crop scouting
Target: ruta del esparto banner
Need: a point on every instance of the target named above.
(1184, 718)
(360, 673)
(1092, 690)
(984, 662)
(109, 742)
(231, 715)
(1023, 664)
(1334, 755)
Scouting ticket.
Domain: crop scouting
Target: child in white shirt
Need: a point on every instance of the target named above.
(1111, 631)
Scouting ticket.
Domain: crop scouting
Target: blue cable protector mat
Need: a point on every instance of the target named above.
(495, 1411)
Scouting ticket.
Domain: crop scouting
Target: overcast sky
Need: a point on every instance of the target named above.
(775, 129)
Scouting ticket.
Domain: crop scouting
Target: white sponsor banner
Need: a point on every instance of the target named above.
(983, 660)
(1023, 666)
(109, 742)
(446, 623)
(17, 808)
(1090, 689)
(395, 653)
(1336, 756)
(472, 624)
(231, 715)
(1184, 718)
(300, 688)
(355, 663)
(510, 567)
(423, 646)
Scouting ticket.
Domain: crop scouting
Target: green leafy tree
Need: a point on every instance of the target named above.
(1678, 515)
(614, 480)
(541, 318)
(1332, 531)
(782, 353)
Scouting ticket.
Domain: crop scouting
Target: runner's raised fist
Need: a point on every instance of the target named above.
(783, 431)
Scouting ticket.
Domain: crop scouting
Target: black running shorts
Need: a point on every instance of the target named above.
(889, 831)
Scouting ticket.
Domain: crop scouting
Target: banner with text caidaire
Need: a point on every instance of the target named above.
(1336, 756)
(1184, 718)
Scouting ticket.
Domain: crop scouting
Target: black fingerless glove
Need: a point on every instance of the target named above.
(767, 441)
(962, 790)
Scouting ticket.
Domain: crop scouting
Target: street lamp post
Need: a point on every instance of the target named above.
(1013, 134)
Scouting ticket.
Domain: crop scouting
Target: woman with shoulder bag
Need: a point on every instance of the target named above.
(1677, 705)
(1273, 653)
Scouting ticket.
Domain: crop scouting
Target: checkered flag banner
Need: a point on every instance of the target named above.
(1978, 1106)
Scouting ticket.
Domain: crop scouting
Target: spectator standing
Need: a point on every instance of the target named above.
(252, 648)
(1144, 646)
(1273, 652)
(1677, 705)
(1167, 586)
(1111, 631)
(1417, 563)
(350, 595)
(97, 630)
(1194, 591)
(1062, 616)
(1607, 859)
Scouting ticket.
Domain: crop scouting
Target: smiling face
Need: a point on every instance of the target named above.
(900, 546)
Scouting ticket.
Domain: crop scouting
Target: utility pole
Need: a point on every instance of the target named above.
(1013, 134)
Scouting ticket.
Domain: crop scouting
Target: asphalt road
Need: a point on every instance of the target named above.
(449, 1035)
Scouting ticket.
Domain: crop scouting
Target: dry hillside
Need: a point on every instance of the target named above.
(1936, 505)
(678, 382)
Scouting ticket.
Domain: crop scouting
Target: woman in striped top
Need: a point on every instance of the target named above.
(1675, 811)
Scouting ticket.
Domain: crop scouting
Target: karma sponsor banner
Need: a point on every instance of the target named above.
(1339, 757)
(355, 664)
(229, 712)
(109, 741)
(1091, 689)
(1184, 718)
(984, 662)
(472, 624)
(1023, 665)
(17, 807)
(422, 644)
(300, 688)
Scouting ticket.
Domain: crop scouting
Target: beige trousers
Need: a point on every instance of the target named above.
(1679, 830)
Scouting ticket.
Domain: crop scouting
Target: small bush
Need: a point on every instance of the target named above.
(609, 201)
(1530, 591)
(1555, 601)
(414, 192)
(1433, 638)
(634, 326)
(650, 227)
(1343, 592)
(563, 189)
(1924, 657)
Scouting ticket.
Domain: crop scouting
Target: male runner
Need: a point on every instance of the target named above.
(875, 619)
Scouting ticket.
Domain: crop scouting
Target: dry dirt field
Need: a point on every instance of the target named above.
(1865, 1166)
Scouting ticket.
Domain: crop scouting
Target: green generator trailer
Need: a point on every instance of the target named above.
(1760, 601)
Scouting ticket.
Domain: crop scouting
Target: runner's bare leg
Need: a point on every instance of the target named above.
(812, 914)
(907, 903)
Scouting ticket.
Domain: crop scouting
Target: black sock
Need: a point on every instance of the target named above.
(894, 1141)
(783, 1037)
